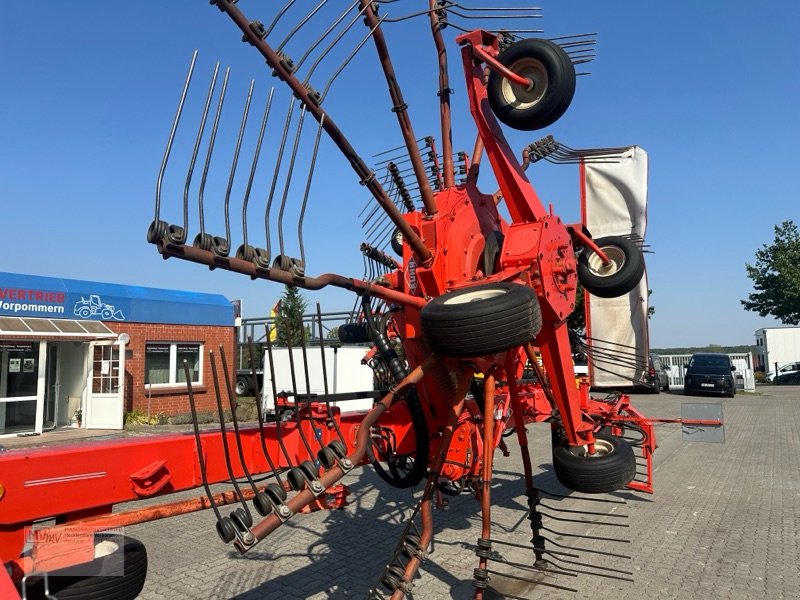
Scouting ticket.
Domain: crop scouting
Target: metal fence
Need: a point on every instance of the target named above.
(743, 363)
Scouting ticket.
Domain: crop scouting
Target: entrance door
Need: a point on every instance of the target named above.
(20, 395)
(104, 406)
(52, 387)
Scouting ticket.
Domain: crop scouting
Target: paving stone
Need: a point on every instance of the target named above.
(724, 523)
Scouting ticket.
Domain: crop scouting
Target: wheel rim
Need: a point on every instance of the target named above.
(105, 548)
(520, 97)
(616, 261)
(475, 296)
(240, 388)
(601, 448)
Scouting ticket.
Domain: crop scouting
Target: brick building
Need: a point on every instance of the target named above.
(82, 353)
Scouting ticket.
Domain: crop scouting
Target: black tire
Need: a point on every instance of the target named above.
(611, 469)
(102, 579)
(397, 242)
(353, 333)
(481, 320)
(243, 386)
(620, 276)
(550, 69)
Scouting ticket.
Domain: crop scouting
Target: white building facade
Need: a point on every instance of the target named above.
(779, 345)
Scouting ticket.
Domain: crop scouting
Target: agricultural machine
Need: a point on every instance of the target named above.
(468, 320)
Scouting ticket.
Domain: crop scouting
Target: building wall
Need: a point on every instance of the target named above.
(780, 345)
(174, 400)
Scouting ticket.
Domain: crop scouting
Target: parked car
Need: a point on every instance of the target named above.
(657, 375)
(709, 373)
(787, 374)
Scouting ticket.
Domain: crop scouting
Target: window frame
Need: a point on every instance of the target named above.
(173, 364)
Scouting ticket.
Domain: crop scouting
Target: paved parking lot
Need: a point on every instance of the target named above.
(723, 523)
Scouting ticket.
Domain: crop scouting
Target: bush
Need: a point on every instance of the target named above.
(139, 417)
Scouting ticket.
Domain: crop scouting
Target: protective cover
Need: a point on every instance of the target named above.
(614, 202)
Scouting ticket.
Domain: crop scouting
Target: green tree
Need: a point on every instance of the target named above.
(776, 277)
(289, 318)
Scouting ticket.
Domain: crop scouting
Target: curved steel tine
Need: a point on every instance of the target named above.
(199, 138)
(211, 142)
(288, 182)
(325, 34)
(171, 138)
(369, 203)
(236, 161)
(348, 59)
(277, 18)
(491, 8)
(254, 164)
(335, 41)
(517, 16)
(276, 172)
(325, 373)
(278, 428)
(303, 208)
(299, 26)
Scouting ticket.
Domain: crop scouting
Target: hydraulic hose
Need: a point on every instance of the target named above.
(399, 371)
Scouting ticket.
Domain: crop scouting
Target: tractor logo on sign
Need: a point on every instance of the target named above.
(95, 307)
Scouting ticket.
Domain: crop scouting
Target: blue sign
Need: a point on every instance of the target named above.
(55, 298)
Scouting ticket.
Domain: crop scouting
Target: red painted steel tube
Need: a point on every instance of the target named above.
(426, 510)
(519, 421)
(205, 257)
(486, 475)
(495, 65)
(521, 199)
(587, 241)
(366, 176)
(270, 523)
(400, 109)
(444, 98)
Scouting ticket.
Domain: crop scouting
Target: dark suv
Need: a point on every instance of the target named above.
(709, 373)
(657, 375)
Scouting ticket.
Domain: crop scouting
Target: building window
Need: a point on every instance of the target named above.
(105, 369)
(163, 363)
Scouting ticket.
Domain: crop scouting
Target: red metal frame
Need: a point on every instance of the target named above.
(443, 247)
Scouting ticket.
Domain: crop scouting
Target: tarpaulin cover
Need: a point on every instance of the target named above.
(614, 197)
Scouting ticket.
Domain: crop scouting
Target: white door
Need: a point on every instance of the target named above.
(105, 400)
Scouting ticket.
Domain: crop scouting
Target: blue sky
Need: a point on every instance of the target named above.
(89, 90)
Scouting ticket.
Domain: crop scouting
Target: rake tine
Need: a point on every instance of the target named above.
(198, 443)
(587, 537)
(260, 412)
(307, 190)
(518, 578)
(287, 185)
(224, 434)
(517, 16)
(296, 396)
(303, 349)
(278, 17)
(200, 131)
(348, 59)
(278, 428)
(254, 164)
(589, 550)
(201, 240)
(158, 229)
(223, 247)
(235, 420)
(300, 25)
(325, 377)
(275, 174)
(333, 43)
(325, 34)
